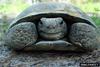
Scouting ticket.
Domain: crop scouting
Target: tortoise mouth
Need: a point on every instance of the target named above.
(54, 36)
(54, 32)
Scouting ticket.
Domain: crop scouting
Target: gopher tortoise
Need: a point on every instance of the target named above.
(52, 26)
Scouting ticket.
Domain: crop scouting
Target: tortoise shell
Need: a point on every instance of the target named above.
(65, 10)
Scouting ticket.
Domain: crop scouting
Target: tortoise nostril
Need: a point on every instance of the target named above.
(50, 27)
(41, 22)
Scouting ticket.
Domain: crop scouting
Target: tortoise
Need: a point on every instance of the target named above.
(52, 26)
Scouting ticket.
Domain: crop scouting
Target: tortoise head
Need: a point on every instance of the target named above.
(52, 28)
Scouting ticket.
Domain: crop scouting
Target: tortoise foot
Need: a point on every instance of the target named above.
(84, 34)
(21, 35)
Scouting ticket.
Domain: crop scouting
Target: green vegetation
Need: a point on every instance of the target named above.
(90, 7)
(96, 20)
(16, 7)
(3, 28)
(20, 5)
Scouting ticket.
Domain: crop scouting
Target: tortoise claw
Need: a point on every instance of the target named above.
(78, 44)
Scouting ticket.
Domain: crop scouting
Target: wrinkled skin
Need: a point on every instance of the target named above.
(52, 28)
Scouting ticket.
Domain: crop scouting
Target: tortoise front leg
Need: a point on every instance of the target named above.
(84, 34)
(21, 35)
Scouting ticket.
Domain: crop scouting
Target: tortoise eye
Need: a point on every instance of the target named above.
(61, 22)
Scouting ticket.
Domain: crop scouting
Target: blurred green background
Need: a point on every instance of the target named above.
(9, 9)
